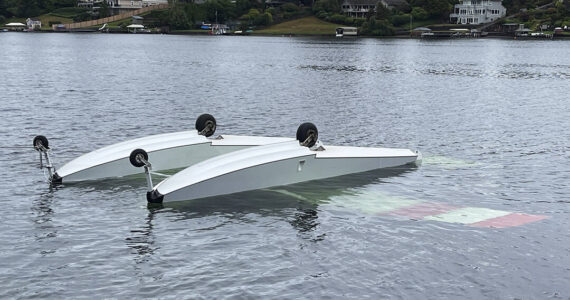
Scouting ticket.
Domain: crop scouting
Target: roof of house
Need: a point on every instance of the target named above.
(361, 2)
(395, 3)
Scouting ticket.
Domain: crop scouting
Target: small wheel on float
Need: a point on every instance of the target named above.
(138, 157)
(41, 141)
(307, 134)
(206, 125)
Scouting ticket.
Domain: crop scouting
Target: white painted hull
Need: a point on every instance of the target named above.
(165, 151)
(273, 165)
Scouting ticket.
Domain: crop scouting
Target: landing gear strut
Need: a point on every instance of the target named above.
(139, 158)
(41, 144)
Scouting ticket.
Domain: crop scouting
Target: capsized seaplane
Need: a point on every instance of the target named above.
(166, 151)
(274, 164)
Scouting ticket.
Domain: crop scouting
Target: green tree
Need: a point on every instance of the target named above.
(377, 28)
(243, 6)
(382, 12)
(104, 10)
(264, 19)
(177, 17)
(399, 20)
(3, 10)
(219, 10)
(419, 14)
(329, 6)
(438, 9)
(28, 8)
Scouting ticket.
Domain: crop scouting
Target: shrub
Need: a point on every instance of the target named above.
(330, 6)
(289, 7)
(419, 14)
(264, 19)
(358, 22)
(400, 20)
(377, 27)
(322, 15)
(337, 18)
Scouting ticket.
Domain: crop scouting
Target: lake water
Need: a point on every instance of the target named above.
(490, 116)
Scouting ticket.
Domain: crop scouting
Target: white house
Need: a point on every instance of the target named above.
(87, 3)
(124, 4)
(33, 23)
(359, 8)
(153, 2)
(477, 12)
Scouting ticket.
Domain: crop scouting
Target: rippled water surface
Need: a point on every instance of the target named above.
(490, 116)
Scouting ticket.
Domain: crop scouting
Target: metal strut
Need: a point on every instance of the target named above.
(48, 165)
(147, 171)
(210, 126)
(308, 140)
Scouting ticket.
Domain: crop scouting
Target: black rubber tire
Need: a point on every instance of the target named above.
(203, 121)
(305, 130)
(40, 139)
(133, 157)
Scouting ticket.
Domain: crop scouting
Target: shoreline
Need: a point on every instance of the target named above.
(291, 34)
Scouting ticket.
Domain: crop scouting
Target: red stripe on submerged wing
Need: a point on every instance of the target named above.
(509, 220)
(422, 210)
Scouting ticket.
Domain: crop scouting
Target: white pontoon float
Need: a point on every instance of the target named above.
(274, 164)
(166, 151)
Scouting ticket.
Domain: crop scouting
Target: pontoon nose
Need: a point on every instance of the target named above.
(420, 158)
(56, 179)
(154, 197)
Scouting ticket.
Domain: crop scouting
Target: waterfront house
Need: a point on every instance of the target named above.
(360, 8)
(477, 12)
(33, 24)
(120, 6)
(127, 4)
(87, 3)
(121, 3)
(146, 3)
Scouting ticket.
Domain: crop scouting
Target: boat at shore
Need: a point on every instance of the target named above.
(346, 31)
(275, 164)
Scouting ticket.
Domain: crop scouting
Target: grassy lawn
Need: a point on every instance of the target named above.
(304, 26)
(50, 18)
(45, 20)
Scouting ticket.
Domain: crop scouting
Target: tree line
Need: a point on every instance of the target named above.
(31, 8)
(185, 14)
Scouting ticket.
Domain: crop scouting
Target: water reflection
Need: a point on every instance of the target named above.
(43, 214)
(458, 70)
(142, 239)
(297, 204)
